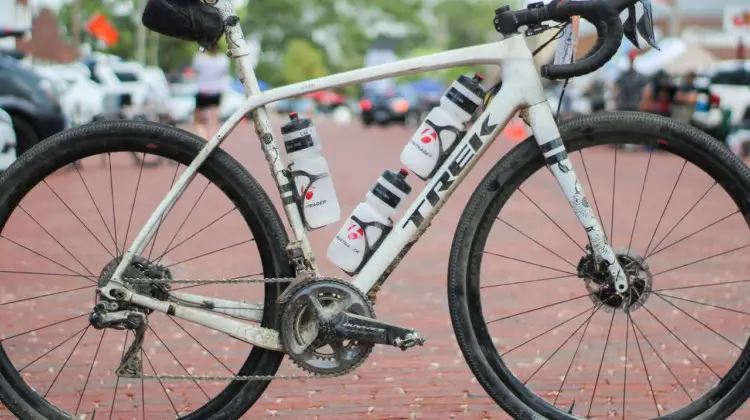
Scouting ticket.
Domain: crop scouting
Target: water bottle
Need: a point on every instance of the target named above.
(313, 187)
(369, 223)
(443, 126)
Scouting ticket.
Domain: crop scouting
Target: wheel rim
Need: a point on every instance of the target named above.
(544, 376)
(72, 366)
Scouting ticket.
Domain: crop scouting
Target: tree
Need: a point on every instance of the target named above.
(302, 61)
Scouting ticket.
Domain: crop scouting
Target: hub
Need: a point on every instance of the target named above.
(139, 268)
(602, 288)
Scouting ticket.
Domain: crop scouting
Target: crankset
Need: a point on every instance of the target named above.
(328, 327)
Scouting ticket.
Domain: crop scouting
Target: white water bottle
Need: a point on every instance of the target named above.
(443, 126)
(314, 190)
(369, 223)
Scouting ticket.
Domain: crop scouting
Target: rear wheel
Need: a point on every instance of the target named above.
(536, 319)
(62, 229)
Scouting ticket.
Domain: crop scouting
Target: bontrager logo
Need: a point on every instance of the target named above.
(446, 179)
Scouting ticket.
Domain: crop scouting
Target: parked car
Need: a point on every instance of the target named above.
(7, 141)
(387, 107)
(32, 103)
(81, 98)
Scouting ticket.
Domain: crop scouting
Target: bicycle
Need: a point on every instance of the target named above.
(327, 326)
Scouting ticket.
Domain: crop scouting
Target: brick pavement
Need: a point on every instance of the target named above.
(432, 382)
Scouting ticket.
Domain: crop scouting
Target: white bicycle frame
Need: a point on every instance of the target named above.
(521, 90)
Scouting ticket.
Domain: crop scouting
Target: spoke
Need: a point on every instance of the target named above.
(66, 361)
(698, 321)
(158, 226)
(700, 260)
(601, 363)
(43, 296)
(551, 220)
(76, 273)
(201, 344)
(681, 342)
(52, 349)
(593, 194)
(664, 362)
(135, 198)
(611, 218)
(669, 199)
(703, 303)
(112, 194)
(684, 216)
(101, 217)
(539, 308)
(55, 239)
(547, 331)
(85, 226)
(214, 282)
(585, 322)
(91, 369)
(645, 369)
(46, 326)
(529, 263)
(526, 281)
(701, 285)
(536, 242)
(178, 361)
(655, 251)
(211, 252)
(578, 347)
(34, 273)
(625, 377)
(190, 212)
(145, 355)
(117, 382)
(168, 249)
(632, 232)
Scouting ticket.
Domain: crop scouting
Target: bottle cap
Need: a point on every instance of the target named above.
(474, 84)
(295, 124)
(398, 180)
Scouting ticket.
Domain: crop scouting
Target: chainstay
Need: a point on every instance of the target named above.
(228, 377)
(211, 281)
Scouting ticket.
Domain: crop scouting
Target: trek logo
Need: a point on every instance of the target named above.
(446, 179)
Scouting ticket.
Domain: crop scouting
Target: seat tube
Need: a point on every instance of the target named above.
(547, 136)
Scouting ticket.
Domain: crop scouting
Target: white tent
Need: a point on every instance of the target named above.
(676, 57)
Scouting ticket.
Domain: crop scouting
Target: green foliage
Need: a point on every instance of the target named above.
(302, 61)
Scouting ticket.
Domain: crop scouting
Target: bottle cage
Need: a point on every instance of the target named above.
(299, 197)
(369, 249)
(441, 155)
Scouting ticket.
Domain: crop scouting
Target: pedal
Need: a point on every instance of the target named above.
(131, 365)
(355, 327)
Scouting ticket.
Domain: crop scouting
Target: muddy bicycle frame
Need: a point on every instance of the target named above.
(521, 90)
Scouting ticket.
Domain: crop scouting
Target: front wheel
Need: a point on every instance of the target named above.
(62, 231)
(537, 319)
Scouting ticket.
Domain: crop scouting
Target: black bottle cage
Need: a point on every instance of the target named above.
(369, 250)
(441, 153)
(299, 198)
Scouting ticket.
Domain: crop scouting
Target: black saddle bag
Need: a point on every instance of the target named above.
(188, 20)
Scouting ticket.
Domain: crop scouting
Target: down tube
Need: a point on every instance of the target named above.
(419, 215)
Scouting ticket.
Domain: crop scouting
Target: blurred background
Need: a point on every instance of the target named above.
(93, 59)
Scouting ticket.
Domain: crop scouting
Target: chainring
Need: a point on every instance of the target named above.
(304, 338)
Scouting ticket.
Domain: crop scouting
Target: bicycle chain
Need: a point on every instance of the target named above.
(232, 377)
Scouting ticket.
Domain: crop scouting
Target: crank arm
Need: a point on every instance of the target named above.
(251, 334)
(354, 327)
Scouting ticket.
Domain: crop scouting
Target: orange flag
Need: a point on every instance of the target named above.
(102, 29)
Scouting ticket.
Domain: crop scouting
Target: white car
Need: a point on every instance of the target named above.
(80, 97)
(7, 141)
(133, 79)
(730, 81)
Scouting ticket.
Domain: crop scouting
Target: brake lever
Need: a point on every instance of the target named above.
(628, 28)
(645, 24)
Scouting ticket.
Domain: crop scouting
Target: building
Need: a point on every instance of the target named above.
(46, 43)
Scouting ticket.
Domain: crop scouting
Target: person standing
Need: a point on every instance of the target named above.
(629, 87)
(211, 70)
